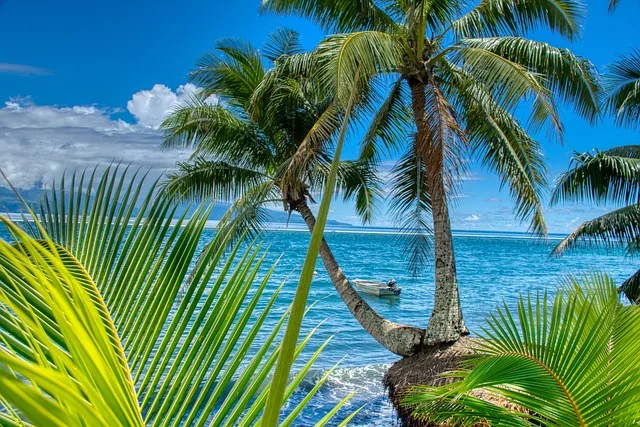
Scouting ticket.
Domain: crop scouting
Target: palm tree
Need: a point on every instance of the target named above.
(570, 362)
(462, 73)
(611, 176)
(269, 140)
(104, 320)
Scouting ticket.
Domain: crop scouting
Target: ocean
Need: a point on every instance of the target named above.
(492, 268)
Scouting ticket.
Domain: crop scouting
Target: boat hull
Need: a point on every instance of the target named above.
(376, 289)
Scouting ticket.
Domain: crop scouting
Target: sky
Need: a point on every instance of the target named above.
(83, 83)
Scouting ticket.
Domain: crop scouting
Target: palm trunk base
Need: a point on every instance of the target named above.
(424, 369)
(445, 327)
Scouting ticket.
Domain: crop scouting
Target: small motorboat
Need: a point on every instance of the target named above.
(378, 289)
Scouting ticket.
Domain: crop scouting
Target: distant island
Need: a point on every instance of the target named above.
(9, 203)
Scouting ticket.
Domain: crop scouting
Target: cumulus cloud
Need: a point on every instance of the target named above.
(39, 142)
(150, 107)
(22, 69)
(472, 218)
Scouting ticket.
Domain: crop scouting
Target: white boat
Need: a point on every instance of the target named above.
(376, 288)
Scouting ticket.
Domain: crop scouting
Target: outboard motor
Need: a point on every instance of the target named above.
(392, 285)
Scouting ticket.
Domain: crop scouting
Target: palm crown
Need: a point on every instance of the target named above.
(476, 69)
(451, 79)
(267, 139)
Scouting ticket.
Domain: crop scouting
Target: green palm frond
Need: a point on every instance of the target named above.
(411, 206)
(616, 228)
(570, 362)
(509, 83)
(572, 79)
(247, 217)
(390, 124)
(335, 15)
(352, 59)
(517, 17)
(213, 180)
(356, 180)
(282, 42)
(610, 176)
(631, 288)
(216, 131)
(105, 320)
(613, 4)
(499, 140)
(231, 71)
(623, 87)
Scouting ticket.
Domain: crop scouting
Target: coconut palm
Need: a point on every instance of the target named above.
(611, 176)
(105, 320)
(572, 361)
(462, 73)
(269, 140)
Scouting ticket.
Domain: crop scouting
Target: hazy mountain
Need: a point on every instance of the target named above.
(9, 203)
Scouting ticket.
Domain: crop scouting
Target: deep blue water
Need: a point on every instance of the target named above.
(491, 268)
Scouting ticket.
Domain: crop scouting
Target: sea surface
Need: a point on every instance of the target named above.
(492, 268)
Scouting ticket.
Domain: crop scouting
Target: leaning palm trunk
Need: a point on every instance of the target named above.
(399, 339)
(446, 323)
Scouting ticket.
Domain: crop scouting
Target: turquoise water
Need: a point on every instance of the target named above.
(491, 268)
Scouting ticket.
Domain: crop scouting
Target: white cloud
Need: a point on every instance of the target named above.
(22, 69)
(472, 218)
(39, 142)
(150, 107)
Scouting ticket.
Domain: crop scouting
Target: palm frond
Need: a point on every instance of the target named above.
(282, 42)
(410, 205)
(571, 79)
(356, 180)
(247, 217)
(631, 288)
(497, 137)
(444, 151)
(510, 83)
(613, 4)
(216, 131)
(232, 70)
(623, 87)
(616, 228)
(610, 176)
(567, 362)
(517, 17)
(108, 322)
(335, 15)
(214, 180)
(389, 125)
(350, 60)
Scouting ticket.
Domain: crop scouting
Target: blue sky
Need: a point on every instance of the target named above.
(82, 82)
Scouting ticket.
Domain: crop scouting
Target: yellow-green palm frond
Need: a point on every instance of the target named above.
(570, 362)
(110, 318)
